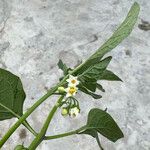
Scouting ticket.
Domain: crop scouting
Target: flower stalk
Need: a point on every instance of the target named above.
(65, 134)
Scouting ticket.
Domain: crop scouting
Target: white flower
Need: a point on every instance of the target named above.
(73, 112)
(71, 91)
(72, 81)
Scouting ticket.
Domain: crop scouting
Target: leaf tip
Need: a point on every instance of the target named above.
(121, 136)
(136, 7)
(136, 4)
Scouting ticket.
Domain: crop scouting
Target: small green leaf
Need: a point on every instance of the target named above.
(92, 74)
(100, 87)
(12, 94)
(90, 84)
(96, 70)
(63, 67)
(100, 121)
(108, 75)
(86, 91)
(118, 36)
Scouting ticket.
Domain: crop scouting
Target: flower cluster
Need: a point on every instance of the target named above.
(71, 104)
(73, 112)
(72, 89)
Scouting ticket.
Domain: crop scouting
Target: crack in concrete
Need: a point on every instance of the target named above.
(4, 24)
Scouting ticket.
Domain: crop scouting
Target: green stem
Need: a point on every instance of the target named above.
(25, 123)
(40, 137)
(65, 134)
(28, 126)
(58, 94)
(99, 143)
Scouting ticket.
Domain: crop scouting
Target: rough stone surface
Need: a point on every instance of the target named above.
(34, 34)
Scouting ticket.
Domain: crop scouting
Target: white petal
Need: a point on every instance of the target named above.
(77, 82)
(74, 112)
(68, 95)
(74, 94)
(66, 90)
(71, 76)
(71, 85)
(68, 80)
(76, 78)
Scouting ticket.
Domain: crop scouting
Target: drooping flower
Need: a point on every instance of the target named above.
(71, 91)
(73, 112)
(72, 81)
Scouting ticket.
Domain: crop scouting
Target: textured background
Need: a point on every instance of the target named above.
(34, 34)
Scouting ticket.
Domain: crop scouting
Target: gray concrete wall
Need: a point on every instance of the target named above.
(34, 34)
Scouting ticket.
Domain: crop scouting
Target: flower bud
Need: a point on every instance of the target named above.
(61, 89)
(64, 112)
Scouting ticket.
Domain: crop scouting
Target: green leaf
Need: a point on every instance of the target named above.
(108, 75)
(118, 36)
(94, 134)
(91, 132)
(86, 91)
(94, 71)
(90, 84)
(63, 67)
(100, 87)
(97, 72)
(101, 122)
(92, 74)
(12, 94)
